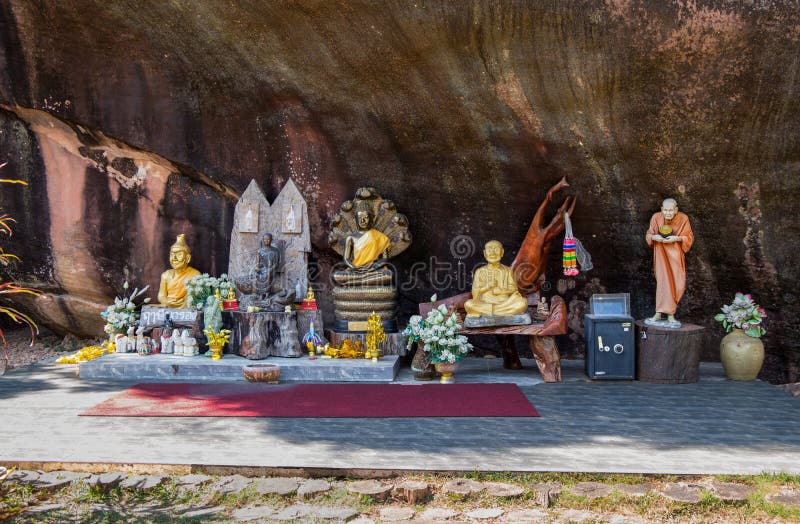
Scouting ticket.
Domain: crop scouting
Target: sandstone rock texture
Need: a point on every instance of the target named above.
(135, 123)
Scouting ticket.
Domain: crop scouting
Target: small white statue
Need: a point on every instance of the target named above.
(120, 342)
(190, 347)
(177, 343)
(130, 345)
(166, 343)
(140, 342)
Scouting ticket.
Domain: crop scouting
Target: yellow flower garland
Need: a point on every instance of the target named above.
(86, 353)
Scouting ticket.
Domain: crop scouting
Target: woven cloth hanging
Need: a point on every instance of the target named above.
(569, 257)
(574, 252)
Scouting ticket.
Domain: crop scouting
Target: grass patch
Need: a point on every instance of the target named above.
(234, 500)
(99, 495)
(570, 501)
(340, 497)
(710, 502)
(565, 479)
(610, 502)
(646, 504)
(757, 502)
(779, 478)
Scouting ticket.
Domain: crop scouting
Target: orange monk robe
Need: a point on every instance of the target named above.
(668, 261)
(368, 247)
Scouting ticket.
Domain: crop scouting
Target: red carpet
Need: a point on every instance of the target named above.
(317, 400)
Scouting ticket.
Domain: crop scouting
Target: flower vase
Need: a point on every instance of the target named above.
(216, 352)
(447, 369)
(421, 364)
(741, 355)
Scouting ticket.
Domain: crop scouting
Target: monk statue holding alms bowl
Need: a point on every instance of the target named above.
(670, 235)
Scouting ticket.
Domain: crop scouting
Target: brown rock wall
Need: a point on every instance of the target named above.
(463, 113)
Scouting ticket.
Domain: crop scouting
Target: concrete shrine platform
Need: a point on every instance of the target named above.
(161, 368)
(713, 426)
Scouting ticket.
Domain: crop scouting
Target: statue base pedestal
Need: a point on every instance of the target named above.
(666, 324)
(668, 355)
(497, 320)
(394, 344)
(130, 367)
(259, 335)
(354, 327)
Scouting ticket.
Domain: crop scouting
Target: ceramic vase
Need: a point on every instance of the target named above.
(741, 355)
(447, 370)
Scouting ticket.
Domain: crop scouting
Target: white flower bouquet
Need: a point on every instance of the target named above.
(438, 332)
(124, 312)
(203, 286)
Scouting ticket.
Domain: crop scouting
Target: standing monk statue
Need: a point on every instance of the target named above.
(172, 288)
(670, 235)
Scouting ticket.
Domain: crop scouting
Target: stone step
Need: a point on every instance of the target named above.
(160, 367)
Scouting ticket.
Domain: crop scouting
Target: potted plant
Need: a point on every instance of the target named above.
(437, 335)
(741, 350)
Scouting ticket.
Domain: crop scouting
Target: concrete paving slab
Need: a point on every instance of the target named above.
(713, 426)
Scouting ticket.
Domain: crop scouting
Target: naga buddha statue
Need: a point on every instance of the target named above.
(367, 232)
(494, 291)
(172, 288)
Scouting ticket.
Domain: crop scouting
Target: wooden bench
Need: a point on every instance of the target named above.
(541, 333)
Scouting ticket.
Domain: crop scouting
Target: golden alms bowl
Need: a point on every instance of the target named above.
(262, 373)
(665, 230)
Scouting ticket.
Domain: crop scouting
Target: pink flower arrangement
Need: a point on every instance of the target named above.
(743, 314)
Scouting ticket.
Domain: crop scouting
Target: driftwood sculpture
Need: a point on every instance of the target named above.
(531, 260)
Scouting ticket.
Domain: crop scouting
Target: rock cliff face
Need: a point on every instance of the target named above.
(133, 121)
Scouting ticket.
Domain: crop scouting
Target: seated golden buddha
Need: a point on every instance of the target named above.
(172, 288)
(365, 251)
(494, 289)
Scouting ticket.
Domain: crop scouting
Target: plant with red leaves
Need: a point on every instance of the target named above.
(12, 288)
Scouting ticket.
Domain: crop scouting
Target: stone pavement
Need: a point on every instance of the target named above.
(432, 498)
(714, 426)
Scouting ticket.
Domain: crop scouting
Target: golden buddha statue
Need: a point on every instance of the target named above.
(362, 249)
(494, 289)
(172, 288)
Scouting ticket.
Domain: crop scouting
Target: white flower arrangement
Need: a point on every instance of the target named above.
(203, 286)
(124, 312)
(439, 333)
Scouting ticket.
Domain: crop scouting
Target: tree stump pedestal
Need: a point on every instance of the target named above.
(259, 335)
(668, 356)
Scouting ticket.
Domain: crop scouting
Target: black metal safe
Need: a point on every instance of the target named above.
(610, 338)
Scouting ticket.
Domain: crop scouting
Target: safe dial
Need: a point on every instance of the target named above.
(618, 348)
